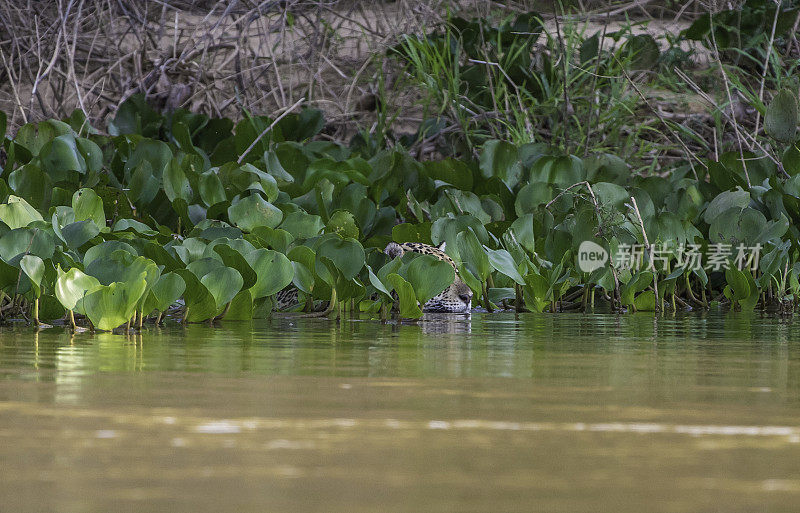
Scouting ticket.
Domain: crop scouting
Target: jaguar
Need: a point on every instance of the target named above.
(456, 298)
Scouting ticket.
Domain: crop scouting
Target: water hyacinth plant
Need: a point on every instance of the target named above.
(184, 216)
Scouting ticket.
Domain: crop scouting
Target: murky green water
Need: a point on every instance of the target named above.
(556, 413)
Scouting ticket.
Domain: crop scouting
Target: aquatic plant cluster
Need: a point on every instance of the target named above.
(195, 218)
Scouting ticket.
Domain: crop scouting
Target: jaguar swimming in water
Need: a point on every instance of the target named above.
(457, 298)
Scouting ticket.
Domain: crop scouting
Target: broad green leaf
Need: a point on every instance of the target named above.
(724, 201)
(409, 307)
(378, 284)
(200, 304)
(72, 286)
(176, 185)
(253, 211)
(110, 306)
(33, 267)
(26, 241)
(429, 276)
(273, 269)
(60, 155)
(235, 259)
(78, 234)
(342, 223)
(241, 307)
(302, 225)
(407, 232)
(645, 302)
(346, 254)
(223, 283)
(536, 292)
(473, 255)
(211, 189)
(106, 249)
(164, 292)
(782, 117)
(31, 183)
(502, 262)
(18, 213)
(457, 173)
(500, 159)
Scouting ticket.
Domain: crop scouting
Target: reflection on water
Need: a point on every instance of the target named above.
(496, 412)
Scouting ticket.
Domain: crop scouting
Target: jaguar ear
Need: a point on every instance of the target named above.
(442, 246)
(393, 250)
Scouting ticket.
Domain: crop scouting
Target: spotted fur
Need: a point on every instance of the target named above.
(457, 298)
(287, 298)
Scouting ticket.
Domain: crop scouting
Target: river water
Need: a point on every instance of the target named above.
(489, 413)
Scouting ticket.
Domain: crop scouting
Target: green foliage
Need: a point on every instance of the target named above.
(167, 216)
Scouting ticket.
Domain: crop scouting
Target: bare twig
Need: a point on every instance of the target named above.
(268, 129)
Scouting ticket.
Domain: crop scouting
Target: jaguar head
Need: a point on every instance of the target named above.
(457, 298)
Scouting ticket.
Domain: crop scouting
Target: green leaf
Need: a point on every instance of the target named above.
(253, 211)
(223, 283)
(502, 261)
(273, 269)
(473, 255)
(638, 283)
(429, 276)
(87, 205)
(33, 266)
(342, 223)
(781, 118)
(241, 307)
(26, 241)
(236, 260)
(724, 201)
(501, 159)
(91, 153)
(641, 51)
(164, 292)
(738, 286)
(30, 182)
(522, 229)
(409, 307)
(645, 302)
(407, 232)
(106, 249)
(531, 196)
(211, 189)
(110, 306)
(378, 284)
(77, 234)
(200, 304)
(791, 159)
(274, 238)
(611, 196)
(536, 292)
(346, 254)
(61, 155)
(18, 213)
(50, 308)
(276, 169)
(176, 185)
(72, 286)
(562, 171)
(452, 172)
(302, 225)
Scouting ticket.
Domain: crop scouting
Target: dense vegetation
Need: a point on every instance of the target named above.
(202, 218)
